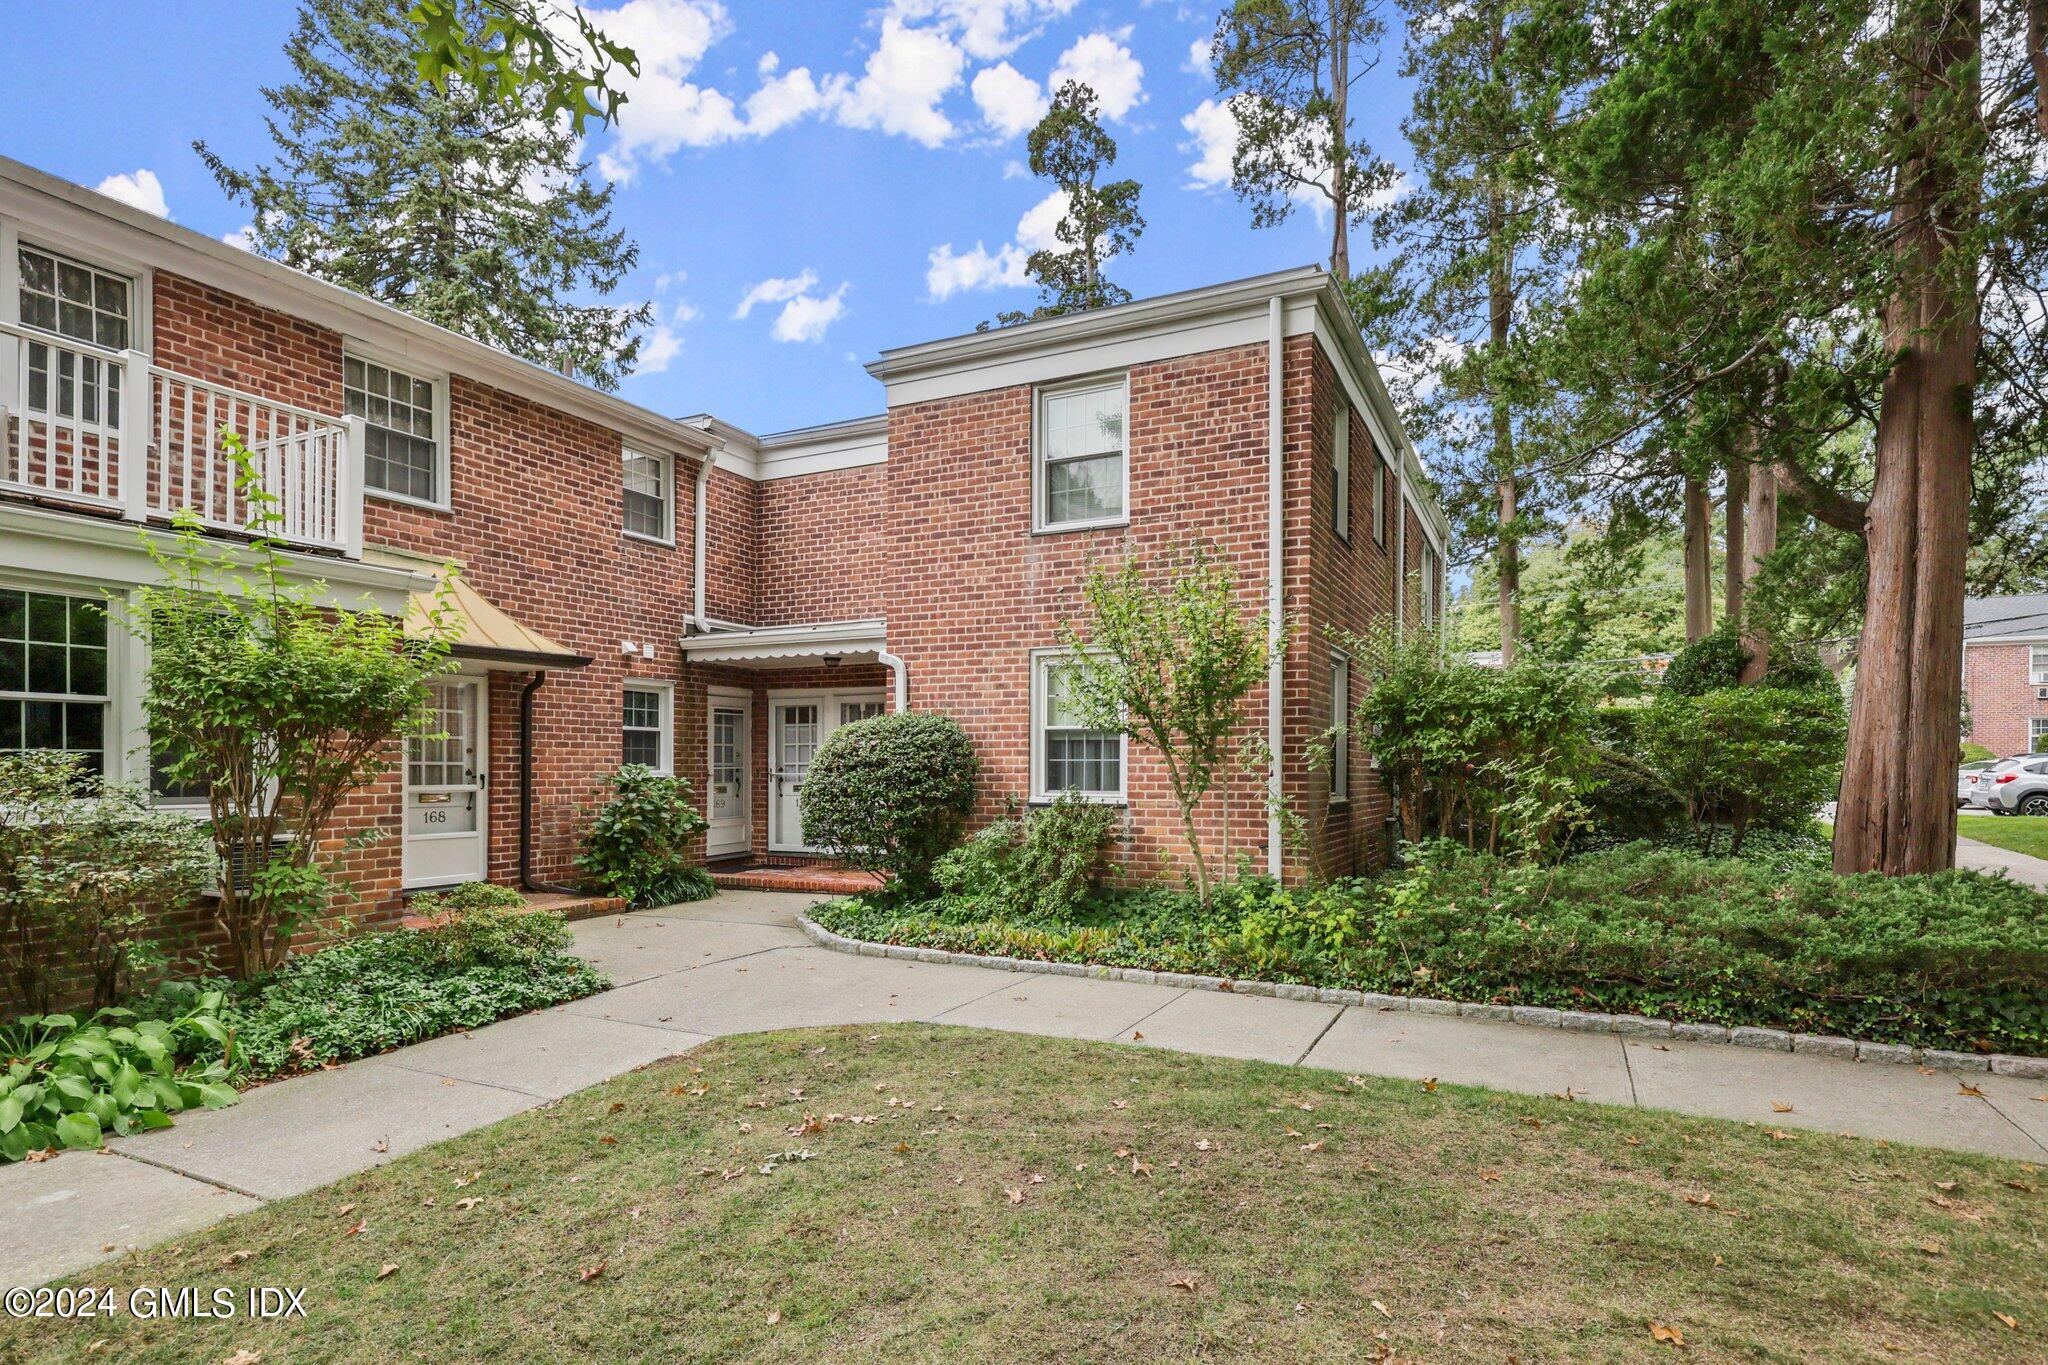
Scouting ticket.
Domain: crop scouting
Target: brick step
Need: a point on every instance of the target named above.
(842, 881)
(569, 907)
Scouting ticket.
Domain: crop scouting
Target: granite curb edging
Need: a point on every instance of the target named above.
(1532, 1016)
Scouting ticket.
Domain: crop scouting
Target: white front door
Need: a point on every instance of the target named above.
(444, 788)
(730, 747)
(797, 725)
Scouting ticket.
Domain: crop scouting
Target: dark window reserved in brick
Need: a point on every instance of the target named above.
(53, 674)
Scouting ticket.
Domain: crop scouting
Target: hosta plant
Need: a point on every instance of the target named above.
(68, 1084)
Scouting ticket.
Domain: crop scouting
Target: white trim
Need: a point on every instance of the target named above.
(667, 464)
(1079, 384)
(1040, 661)
(1276, 588)
(1340, 725)
(665, 712)
(1340, 469)
(852, 444)
(786, 642)
(444, 481)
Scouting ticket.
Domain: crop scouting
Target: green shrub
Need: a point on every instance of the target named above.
(1628, 799)
(68, 1084)
(1296, 932)
(1743, 756)
(1973, 752)
(892, 794)
(1043, 863)
(379, 991)
(88, 873)
(468, 896)
(1713, 661)
(637, 846)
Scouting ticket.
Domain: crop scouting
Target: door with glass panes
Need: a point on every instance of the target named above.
(445, 780)
(729, 745)
(797, 724)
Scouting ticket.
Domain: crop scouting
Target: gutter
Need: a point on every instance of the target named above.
(1275, 596)
(900, 673)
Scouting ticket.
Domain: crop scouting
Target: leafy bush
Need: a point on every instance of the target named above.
(1713, 661)
(1746, 755)
(468, 896)
(891, 794)
(1973, 752)
(379, 991)
(68, 1083)
(1498, 758)
(1288, 931)
(1628, 799)
(1043, 863)
(637, 845)
(88, 872)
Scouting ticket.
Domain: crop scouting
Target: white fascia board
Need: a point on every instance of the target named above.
(2004, 640)
(98, 551)
(91, 220)
(849, 444)
(787, 642)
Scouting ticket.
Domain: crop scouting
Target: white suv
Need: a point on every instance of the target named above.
(2016, 786)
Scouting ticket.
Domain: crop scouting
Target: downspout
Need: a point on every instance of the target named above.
(697, 555)
(1400, 534)
(900, 673)
(1275, 595)
(526, 877)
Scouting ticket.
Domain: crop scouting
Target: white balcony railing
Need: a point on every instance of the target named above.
(71, 430)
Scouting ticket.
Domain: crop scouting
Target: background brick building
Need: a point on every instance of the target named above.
(2005, 673)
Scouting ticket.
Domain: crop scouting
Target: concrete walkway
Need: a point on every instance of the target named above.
(737, 964)
(2021, 867)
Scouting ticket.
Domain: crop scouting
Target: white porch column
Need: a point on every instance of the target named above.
(138, 404)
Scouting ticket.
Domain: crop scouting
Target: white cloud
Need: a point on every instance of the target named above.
(1213, 129)
(1198, 62)
(767, 65)
(1102, 63)
(1036, 229)
(1010, 101)
(783, 100)
(1015, 170)
(141, 190)
(947, 273)
(805, 317)
(660, 348)
(777, 290)
(684, 311)
(983, 27)
(669, 111)
(908, 74)
(243, 237)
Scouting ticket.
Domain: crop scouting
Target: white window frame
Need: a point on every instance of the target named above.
(2037, 729)
(1429, 572)
(665, 694)
(141, 281)
(412, 369)
(1340, 463)
(1340, 728)
(1041, 661)
(115, 701)
(2037, 665)
(666, 463)
(1120, 380)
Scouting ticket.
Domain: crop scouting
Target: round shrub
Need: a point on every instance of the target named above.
(892, 794)
(1713, 661)
(638, 845)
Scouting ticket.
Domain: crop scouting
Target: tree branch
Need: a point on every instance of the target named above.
(1829, 507)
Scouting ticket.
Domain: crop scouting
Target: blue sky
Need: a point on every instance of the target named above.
(809, 182)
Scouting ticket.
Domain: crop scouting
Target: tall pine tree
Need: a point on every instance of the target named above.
(443, 202)
(1069, 148)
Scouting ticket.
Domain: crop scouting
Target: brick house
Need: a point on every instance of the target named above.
(2005, 673)
(677, 591)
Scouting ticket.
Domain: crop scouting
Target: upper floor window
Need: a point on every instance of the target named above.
(1382, 481)
(1066, 754)
(1340, 460)
(402, 450)
(2037, 665)
(53, 675)
(74, 300)
(648, 500)
(1078, 448)
(2037, 733)
(1429, 586)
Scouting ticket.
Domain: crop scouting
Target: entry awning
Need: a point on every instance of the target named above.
(481, 632)
(788, 644)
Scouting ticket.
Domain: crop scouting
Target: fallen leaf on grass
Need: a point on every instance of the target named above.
(468, 1203)
(1382, 1310)
(2022, 1186)
(1429, 1085)
(359, 1226)
(235, 1258)
(1135, 1035)
(245, 1356)
(586, 1274)
(774, 1316)
(1315, 1146)
(1016, 1195)
(469, 1179)
(1489, 1175)
(1119, 1104)
(1204, 1145)
(1780, 1135)
(2012, 1323)
(388, 1269)
(1944, 1185)
(1669, 1335)
(1932, 1247)
(1140, 1167)
(1705, 1201)
(345, 1210)
(1182, 1282)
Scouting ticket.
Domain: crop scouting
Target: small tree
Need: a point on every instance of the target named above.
(87, 874)
(280, 703)
(1169, 661)
(1069, 148)
(892, 794)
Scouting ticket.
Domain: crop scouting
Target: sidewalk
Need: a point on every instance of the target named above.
(737, 964)
(2021, 867)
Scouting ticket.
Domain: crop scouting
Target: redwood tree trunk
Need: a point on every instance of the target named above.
(1699, 561)
(1735, 516)
(1897, 810)
(1759, 539)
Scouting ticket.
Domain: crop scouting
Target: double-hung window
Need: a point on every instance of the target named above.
(1382, 484)
(1340, 460)
(1429, 586)
(2037, 665)
(402, 446)
(1082, 473)
(1066, 754)
(74, 300)
(1340, 728)
(53, 675)
(644, 726)
(648, 500)
(2037, 733)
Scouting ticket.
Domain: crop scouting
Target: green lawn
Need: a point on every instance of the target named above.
(1034, 1199)
(2020, 833)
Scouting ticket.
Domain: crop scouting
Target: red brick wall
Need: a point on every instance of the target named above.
(732, 539)
(2001, 698)
(824, 548)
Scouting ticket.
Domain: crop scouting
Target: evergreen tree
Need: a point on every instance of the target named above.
(1290, 66)
(1069, 148)
(443, 202)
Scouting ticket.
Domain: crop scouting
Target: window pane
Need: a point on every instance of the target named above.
(642, 708)
(643, 747)
(400, 455)
(38, 272)
(1083, 422)
(1084, 490)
